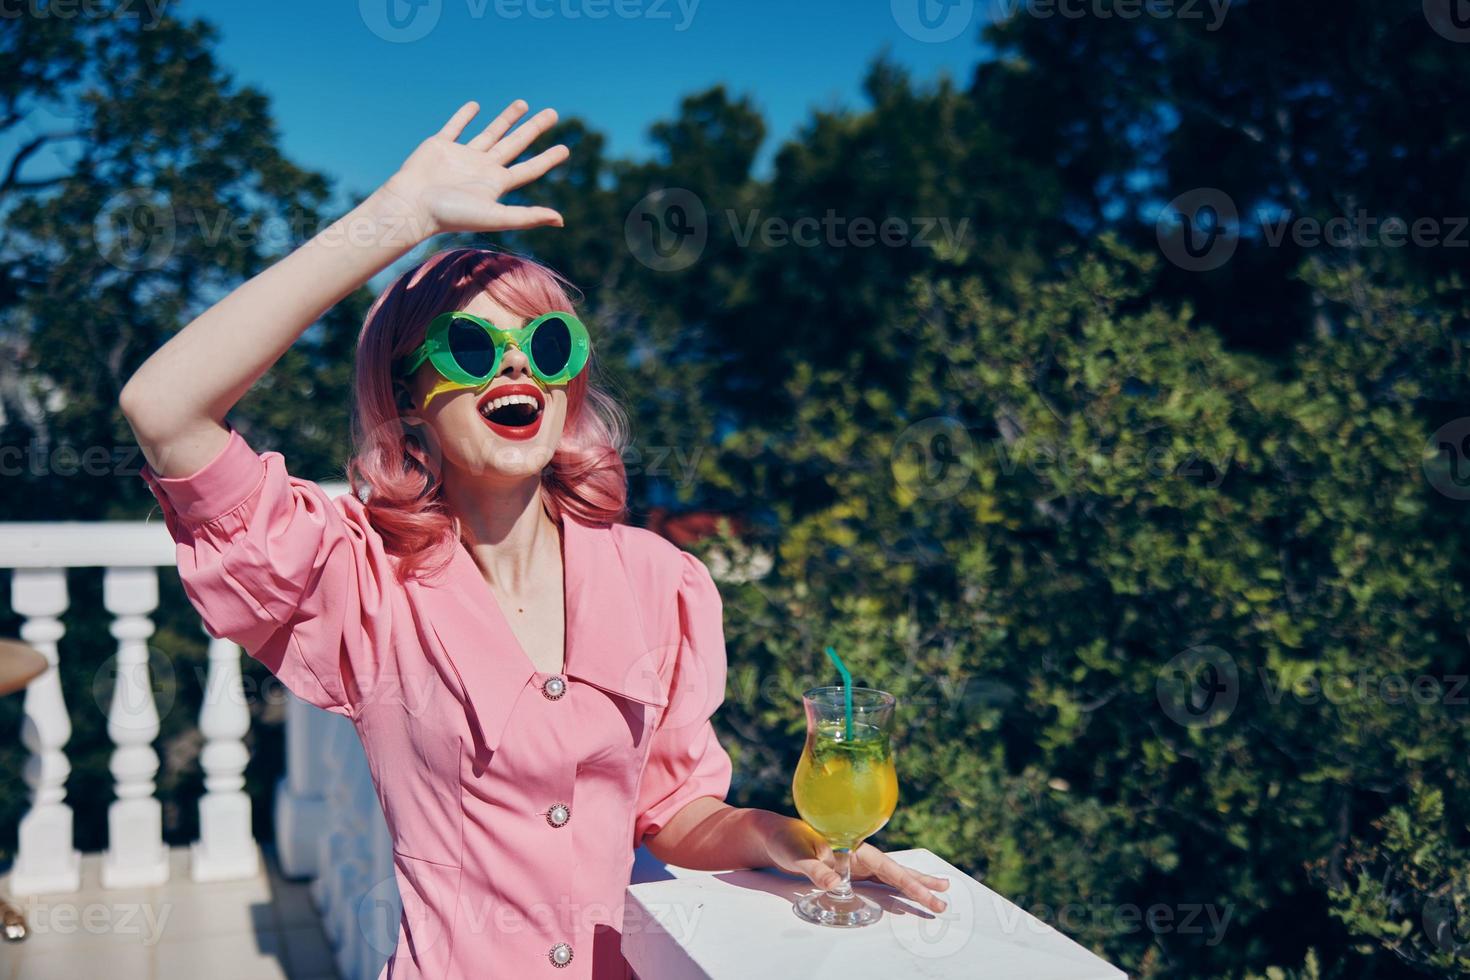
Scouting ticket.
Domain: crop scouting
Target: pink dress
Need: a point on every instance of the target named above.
(515, 798)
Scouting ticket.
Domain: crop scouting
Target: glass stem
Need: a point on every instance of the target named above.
(843, 860)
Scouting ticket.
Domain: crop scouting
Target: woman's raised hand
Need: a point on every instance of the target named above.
(444, 186)
(452, 186)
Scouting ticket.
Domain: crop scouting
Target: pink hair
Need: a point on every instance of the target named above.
(585, 477)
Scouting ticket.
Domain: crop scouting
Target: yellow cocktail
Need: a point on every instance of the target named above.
(846, 789)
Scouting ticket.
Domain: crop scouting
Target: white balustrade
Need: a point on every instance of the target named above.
(328, 823)
(135, 855)
(300, 807)
(373, 951)
(45, 861)
(130, 553)
(364, 881)
(332, 887)
(225, 849)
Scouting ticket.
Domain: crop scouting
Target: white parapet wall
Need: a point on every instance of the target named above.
(328, 825)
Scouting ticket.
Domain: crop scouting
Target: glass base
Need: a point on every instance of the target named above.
(824, 909)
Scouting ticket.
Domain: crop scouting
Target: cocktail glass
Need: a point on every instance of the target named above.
(845, 788)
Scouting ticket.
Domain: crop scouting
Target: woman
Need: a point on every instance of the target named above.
(532, 680)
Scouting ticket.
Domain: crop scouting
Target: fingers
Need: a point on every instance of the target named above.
(515, 144)
(820, 875)
(515, 217)
(499, 126)
(913, 884)
(526, 171)
(457, 122)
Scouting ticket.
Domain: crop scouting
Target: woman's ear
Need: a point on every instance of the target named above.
(402, 397)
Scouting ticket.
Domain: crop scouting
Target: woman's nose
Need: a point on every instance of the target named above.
(514, 363)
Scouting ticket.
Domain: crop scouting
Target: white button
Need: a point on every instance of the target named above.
(561, 955)
(558, 814)
(554, 688)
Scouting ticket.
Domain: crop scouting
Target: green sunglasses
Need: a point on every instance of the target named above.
(467, 349)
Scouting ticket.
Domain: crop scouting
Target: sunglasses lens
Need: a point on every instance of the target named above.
(472, 348)
(551, 346)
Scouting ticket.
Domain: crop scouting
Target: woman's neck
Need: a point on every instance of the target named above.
(506, 529)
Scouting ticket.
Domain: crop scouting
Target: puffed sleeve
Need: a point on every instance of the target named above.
(686, 760)
(271, 562)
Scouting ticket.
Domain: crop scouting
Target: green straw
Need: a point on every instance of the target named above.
(846, 688)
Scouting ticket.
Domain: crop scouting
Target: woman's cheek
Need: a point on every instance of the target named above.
(555, 427)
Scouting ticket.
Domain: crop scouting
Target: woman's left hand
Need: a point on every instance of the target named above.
(794, 847)
(454, 186)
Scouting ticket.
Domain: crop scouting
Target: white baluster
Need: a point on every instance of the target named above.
(135, 852)
(374, 956)
(45, 861)
(360, 882)
(334, 841)
(300, 809)
(225, 849)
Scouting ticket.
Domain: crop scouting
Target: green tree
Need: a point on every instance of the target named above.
(1077, 519)
(142, 182)
(1314, 108)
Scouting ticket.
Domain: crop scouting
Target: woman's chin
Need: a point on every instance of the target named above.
(486, 454)
(516, 459)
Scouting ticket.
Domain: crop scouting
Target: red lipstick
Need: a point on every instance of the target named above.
(518, 409)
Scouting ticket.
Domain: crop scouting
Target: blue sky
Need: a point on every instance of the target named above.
(354, 91)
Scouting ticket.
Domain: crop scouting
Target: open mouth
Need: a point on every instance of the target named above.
(513, 411)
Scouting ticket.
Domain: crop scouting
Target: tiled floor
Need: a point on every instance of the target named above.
(263, 928)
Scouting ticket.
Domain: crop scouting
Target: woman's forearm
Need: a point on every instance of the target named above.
(177, 399)
(711, 835)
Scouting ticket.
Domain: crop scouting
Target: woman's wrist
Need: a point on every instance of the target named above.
(385, 223)
(766, 826)
(400, 204)
(750, 843)
(401, 209)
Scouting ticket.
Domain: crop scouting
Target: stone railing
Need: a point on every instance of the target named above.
(328, 824)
